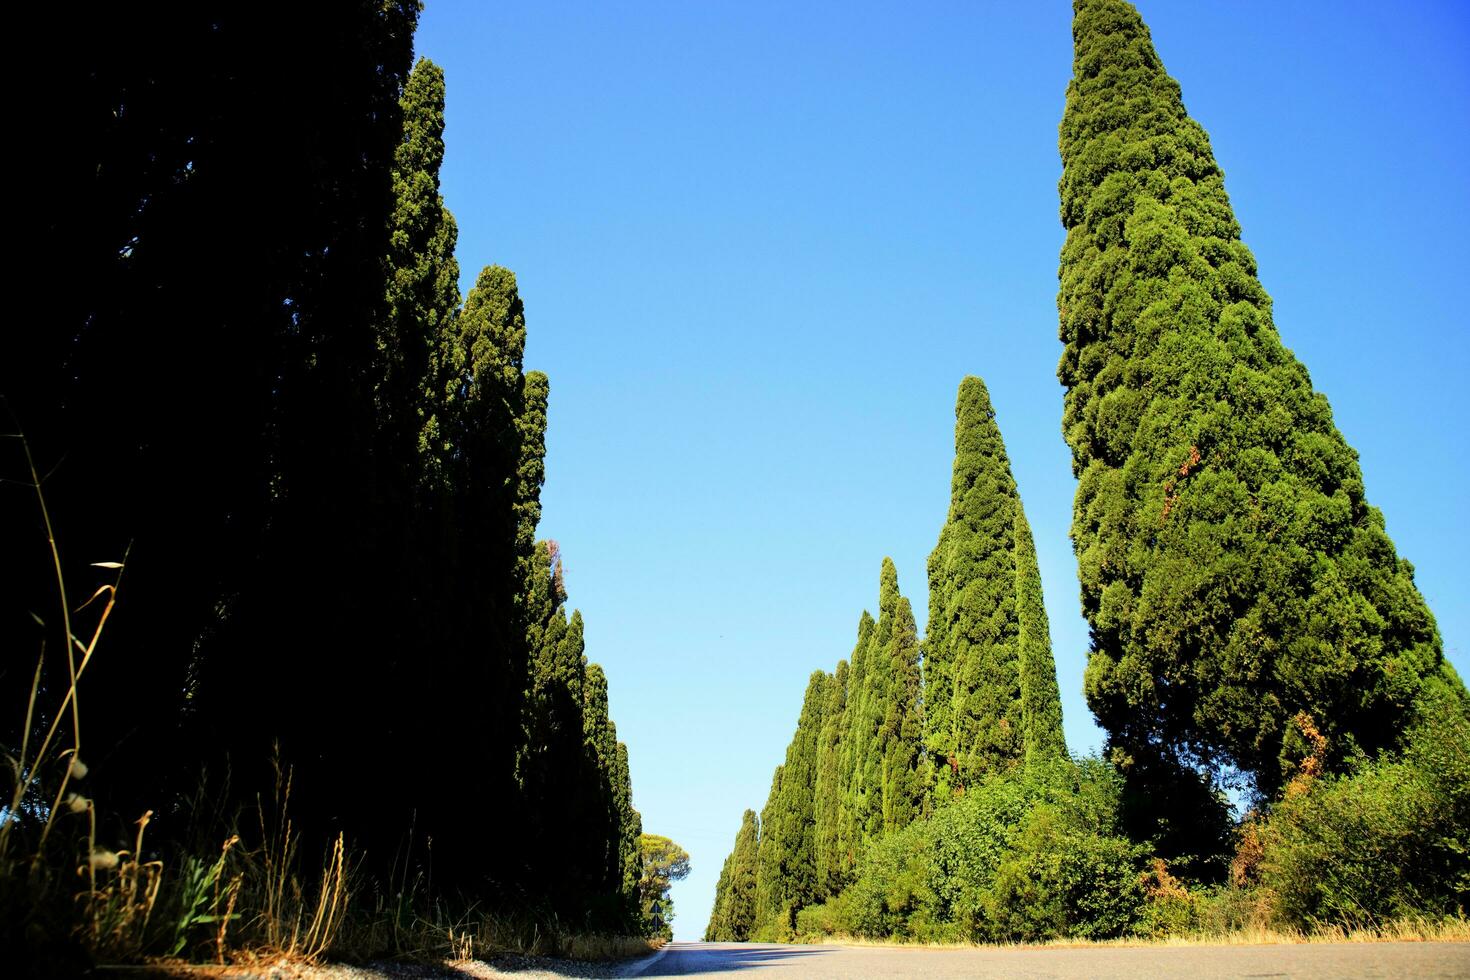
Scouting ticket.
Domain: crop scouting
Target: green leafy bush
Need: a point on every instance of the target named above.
(1063, 879)
(1389, 839)
(1022, 856)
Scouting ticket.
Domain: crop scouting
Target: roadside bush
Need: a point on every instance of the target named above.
(1389, 840)
(1061, 878)
(1022, 856)
(827, 919)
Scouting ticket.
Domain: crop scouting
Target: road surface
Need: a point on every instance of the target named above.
(1308, 961)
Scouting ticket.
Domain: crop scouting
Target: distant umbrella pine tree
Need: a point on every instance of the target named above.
(1239, 587)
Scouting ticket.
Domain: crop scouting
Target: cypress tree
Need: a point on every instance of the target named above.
(629, 829)
(788, 858)
(768, 863)
(607, 847)
(873, 701)
(422, 297)
(1232, 570)
(733, 915)
(1041, 702)
(475, 553)
(598, 845)
(987, 646)
(850, 838)
(902, 733)
(531, 469)
(174, 151)
(827, 794)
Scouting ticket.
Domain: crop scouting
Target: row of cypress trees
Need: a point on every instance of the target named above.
(904, 725)
(1250, 619)
(256, 378)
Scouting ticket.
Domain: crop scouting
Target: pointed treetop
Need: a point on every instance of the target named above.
(887, 588)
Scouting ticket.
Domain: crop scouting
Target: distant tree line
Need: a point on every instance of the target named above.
(1251, 623)
(253, 380)
(902, 727)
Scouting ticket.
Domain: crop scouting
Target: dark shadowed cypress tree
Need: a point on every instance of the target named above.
(987, 627)
(827, 794)
(549, 772)
(733, 914)
(339, 521)
(630, 828)
(174, 150)
(422, 297)
(531, 469)
(1232, 570)
(607, 846)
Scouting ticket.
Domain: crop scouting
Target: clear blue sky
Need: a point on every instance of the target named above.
(760, 243)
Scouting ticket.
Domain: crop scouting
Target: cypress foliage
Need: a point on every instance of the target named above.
(987, 644)
(422, 275)
(531, 470)
(831, 869)
(733, 915)
(768, 861)
(850, 836)
(1233, 572)
(174, 151)
(1041, 701)
(873, 701)
(787, 858)
(608, 847)
(354, 418)
(630, 828)
(902, 733)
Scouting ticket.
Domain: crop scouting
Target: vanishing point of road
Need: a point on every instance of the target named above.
(1308, 961)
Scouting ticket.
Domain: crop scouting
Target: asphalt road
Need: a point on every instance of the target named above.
(1316, 960)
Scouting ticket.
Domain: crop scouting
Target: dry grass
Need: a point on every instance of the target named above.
(1409, 929)
(65, 902)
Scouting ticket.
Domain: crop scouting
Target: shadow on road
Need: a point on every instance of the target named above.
(680, 962)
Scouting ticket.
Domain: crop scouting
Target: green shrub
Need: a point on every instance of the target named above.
(1022, 856)
(1390, 839)
(826, 919)
(1063, 878)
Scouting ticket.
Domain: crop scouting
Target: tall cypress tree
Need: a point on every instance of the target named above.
(422, 297)
(530, 469)
(629, 829)
(1041, 701)
(850, 836)
(607, 846)
(1232, 570)
(987, 646)
(175, 151)
(827, 794)
(902, 733)
(788, 858)
(768, 860)
(733, 915)
(873, 702)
